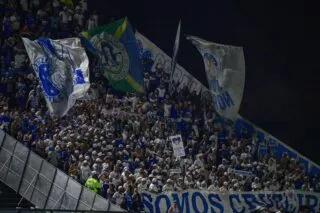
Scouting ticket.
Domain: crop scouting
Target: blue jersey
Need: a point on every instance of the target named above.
(128, 200)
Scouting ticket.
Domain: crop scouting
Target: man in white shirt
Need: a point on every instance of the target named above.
(95, 18)
(15, 21)
(256, 186)
(146, 81)
(167, 108)
(79, 17)
(161, 92)
(84, 5)
(64, 16)
(143, 186)
(91, 23)
(153, 187)
(224, 187)
(85, 171)
(214, 187)
(118, 195)
(168, 186)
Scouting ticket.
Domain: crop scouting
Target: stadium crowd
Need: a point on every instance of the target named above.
(118, 144)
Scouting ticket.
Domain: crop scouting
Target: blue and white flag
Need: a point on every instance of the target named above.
(62, 69)
(225, 70)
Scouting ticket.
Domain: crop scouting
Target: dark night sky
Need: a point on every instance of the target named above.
(277, 51)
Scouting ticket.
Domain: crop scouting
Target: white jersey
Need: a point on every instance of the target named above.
(167, 188)
(153, 188)
(142, 187)
(117, 197)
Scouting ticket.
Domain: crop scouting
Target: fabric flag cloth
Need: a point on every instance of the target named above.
(174, 57)
(62, 69)
(225, 70)
(154, 59)
(119, 61)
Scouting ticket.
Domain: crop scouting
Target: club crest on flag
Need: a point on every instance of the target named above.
(115, 59)
(212, 62)
(62, 70)
(51, 88)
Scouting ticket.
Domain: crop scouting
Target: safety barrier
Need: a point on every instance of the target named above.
(42, 184)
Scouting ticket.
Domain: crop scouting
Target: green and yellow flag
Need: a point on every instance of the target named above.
(119, 59)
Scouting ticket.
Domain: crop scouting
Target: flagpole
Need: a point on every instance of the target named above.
(174, 58)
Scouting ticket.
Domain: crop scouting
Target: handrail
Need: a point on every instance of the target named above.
(24, 173)
(31, 210)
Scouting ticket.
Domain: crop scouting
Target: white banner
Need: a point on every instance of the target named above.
(225, 70)
(177, 145)
(62, 69)
(237, 202)
(153, 56)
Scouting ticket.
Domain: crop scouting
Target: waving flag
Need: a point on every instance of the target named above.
(119, 59)
(174, 57)
(62, 70)
(225, 70)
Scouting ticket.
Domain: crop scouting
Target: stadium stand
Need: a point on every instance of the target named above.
(118, 144)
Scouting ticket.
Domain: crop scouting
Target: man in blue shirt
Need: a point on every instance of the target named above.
(128, 198)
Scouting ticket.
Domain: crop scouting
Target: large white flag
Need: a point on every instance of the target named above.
(225, 70)
(62, 69)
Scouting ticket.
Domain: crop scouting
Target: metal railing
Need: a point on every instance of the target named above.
(50, 211)
(42, 184)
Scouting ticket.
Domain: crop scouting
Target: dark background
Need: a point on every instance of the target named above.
(282, 80)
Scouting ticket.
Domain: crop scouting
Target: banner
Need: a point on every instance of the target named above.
(119, 59)
(62, 68)
(174, 57)
(267, 143)
(225, 70)
(177, 145)
(236, 202)
(153, 58)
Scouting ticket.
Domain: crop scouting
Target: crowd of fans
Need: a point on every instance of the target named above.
(118, 144)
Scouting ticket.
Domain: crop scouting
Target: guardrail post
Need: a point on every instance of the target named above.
(23, 171)
(34, 178)
(94, 199)
(2, 142)
(5, 177)
(64, 192)
(78, 201)
(55, 173)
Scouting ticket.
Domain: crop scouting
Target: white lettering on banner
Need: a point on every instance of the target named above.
(225, 71)
(237, 202)
(177, 145)
(162, 61)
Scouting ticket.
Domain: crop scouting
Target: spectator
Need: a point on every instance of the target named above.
(118, 144)
(174, 208)
(93, 183)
